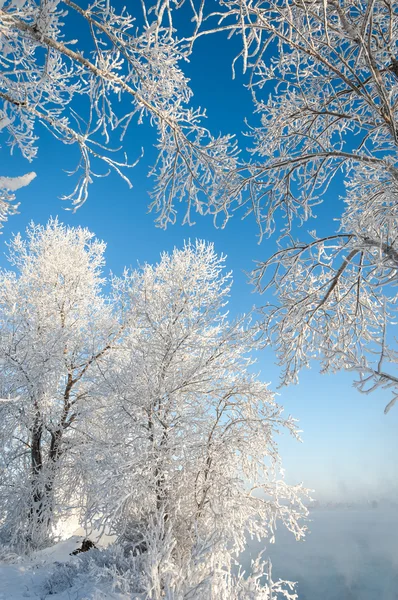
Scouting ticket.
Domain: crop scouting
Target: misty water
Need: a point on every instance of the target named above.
(349, 554)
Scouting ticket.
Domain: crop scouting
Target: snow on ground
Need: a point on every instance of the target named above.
(25, 578)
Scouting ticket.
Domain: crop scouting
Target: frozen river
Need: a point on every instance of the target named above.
(348, 555)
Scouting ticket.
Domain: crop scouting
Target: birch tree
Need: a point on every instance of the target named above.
(190, 464)
(56, 327)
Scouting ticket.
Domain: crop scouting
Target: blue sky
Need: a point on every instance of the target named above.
(350, 447)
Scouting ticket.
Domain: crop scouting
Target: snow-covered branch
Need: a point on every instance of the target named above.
(74, 87)
(324, 81)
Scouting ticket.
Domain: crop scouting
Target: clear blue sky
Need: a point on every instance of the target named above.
(349, 446)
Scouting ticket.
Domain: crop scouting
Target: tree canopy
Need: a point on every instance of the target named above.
(324, 80)
(137, 412)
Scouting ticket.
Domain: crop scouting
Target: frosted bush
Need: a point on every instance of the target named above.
(107, 566)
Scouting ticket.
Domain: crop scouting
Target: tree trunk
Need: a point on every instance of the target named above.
(37, 500)
(42, 500)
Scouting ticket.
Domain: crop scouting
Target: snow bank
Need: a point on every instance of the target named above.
(52, 574)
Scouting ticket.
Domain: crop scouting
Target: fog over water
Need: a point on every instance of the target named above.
(348, 554)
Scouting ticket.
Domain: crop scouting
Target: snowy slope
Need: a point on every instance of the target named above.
(26, 578)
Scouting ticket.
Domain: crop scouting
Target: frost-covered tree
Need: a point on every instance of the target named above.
(55, 328)
(335, 111)
(324, 78)
(89, 74)
(142, 411)
(188, 464)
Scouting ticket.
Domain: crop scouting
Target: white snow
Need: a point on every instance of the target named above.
(25, 577)
(15, 183)
(5, 121)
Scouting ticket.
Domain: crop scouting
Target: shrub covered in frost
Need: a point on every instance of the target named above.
(151, 575)
(106, 566)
